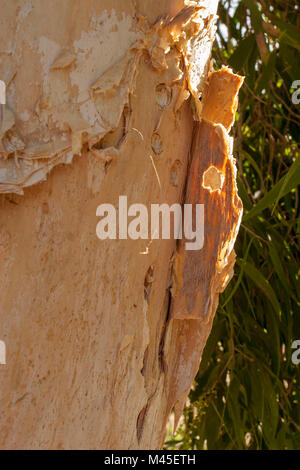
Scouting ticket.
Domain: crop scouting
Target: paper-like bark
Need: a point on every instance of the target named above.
(104, 338)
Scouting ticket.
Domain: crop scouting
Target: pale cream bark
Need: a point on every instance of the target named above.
(103, 101)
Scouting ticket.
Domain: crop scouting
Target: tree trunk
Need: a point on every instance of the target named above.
(104, 337)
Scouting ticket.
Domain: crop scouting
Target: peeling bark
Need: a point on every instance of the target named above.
(104, 338)
(199, 276)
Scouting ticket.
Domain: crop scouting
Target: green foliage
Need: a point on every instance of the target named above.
(247, 392)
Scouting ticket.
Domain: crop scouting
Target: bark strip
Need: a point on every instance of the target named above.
(199, 276)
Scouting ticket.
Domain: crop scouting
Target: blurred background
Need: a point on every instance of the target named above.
(247, 392)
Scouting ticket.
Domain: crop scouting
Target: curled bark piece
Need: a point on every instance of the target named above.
(199, 276)
(221, 97)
